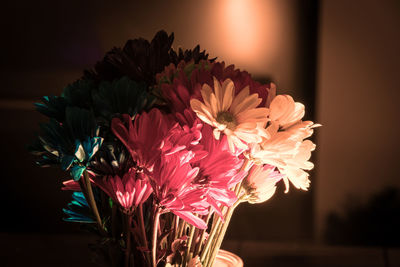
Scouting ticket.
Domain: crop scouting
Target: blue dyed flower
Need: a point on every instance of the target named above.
(78, 210)
(84, 151)
(72, 143)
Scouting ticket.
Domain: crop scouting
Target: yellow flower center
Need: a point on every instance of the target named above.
(228, 119)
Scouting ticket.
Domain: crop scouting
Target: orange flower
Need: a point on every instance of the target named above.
(237, 116)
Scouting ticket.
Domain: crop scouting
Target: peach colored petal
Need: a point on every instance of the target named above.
(286, 111)
(254, 115)
(260, 184)
(228, 94)
(286, 182)
(296, 116)
(231, 143)
(245, 92)
(214, 105)
(228, 131)
(201, 111)
(218, 93)
(249, 102)
(206, 93)
(204, 118)
(281, 106)
(298, 177)
(243, 122)
(219, 126)
(249, 138)
(233, 140)
(271, 94)
(216, 133)
(247, 126)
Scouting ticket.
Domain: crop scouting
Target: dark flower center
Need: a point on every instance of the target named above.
(228, 119)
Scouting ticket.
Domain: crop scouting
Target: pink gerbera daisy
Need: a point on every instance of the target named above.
(71, 185)
(129, 191)
(219, 170)
(182, 83)
(173, 190)
(143, 137)
(184, 139)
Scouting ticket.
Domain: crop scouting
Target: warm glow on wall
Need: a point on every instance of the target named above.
(247, 32)
(256, 35)
(241, 27)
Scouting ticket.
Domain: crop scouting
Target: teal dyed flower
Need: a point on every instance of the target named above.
(78, 210)
(71, 144)
(52, 107)
(84, 152)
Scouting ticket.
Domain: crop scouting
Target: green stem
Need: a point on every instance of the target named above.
(195, 239)
(143, 230)
(203, 232)
(210, 238)
(222, 233)
(213, 241)
(154, 239)
(181, 228)
(128, 238)
(88, 193)
(220, 229)
(176, 227)
(189, 245)
(114, 210)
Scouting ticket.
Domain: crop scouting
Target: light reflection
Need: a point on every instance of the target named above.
(248, 32)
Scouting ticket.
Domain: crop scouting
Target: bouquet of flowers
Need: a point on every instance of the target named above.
(163, 145)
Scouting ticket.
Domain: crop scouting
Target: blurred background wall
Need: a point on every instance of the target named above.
(357, 99)
(47, 44)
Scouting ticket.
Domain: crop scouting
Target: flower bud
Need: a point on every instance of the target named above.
(260, 184)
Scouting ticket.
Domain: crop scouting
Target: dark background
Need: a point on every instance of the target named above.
(339, 58)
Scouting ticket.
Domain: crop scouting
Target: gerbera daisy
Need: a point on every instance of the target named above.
(283, 143)
(235, 116)
(241, 79)
(142, 137)
(284, 110)
(129, 191)
(178, 84)
(219, 171)
(260, 184)
(295, 166)
(185, 141)
(71, 185)
(173, 190)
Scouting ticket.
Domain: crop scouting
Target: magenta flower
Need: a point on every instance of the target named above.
(174, 192)
(182, 83)
(184, 140)
(219, 170)
(129, 191)
(74, 185)
(143, 137)
(71, 185)
(180, 88)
